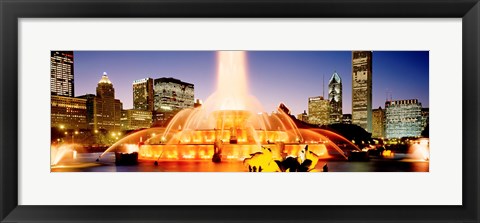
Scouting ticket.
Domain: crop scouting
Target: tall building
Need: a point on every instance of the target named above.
(103, 110)
(403, 118)
(170, 96)
(347, 119)
(303, 116)
(143, 94)
(318, 111)
(362, 89)
(136, 119)
(425, 116)
(90, 105)
(378, 123)
(61, 73)
(335, 98)
(68, 112)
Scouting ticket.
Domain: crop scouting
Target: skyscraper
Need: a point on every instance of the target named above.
(362, 89)
(347, 119)
(136, 119)
(143, 94)
(318, 111)
(68, 112)
(403, 118)
(335, 98)
(378, 122)
(103, 110)
(61, 73)
(170, 96)
(425, 114)
(303, 116)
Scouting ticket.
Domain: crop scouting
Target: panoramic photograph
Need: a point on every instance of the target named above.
(239, 111)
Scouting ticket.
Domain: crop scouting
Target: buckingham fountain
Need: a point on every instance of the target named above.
(230, 126)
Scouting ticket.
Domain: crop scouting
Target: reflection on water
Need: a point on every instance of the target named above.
(108, 165)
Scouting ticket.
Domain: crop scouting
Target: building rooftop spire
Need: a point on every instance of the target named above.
(335, 77)
(105, 79)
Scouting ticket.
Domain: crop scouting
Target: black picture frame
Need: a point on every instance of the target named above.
(11, 11)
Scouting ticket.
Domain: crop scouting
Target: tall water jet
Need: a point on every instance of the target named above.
(232, 92)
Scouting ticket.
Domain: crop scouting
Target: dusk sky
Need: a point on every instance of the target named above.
(274, 76)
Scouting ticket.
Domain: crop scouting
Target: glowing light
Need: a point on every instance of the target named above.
(187, 156)
(420, 149)
(130, 148)
(387, 153)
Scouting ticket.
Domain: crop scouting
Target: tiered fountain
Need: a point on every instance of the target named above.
(229, 126)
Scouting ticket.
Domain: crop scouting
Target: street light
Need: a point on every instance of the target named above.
(73, 137)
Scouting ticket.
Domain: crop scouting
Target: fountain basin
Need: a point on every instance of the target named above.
(232, 152)
(122, 159)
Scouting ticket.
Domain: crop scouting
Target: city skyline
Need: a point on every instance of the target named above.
(233, 125)
(401, 74)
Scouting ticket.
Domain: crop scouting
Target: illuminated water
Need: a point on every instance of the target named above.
(108, 165)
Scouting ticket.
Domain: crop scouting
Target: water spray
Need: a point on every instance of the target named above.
(156, 161)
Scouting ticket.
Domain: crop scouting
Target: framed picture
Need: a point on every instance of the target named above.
(235, 88)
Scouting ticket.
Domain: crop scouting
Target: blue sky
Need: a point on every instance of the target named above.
(274, 76)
